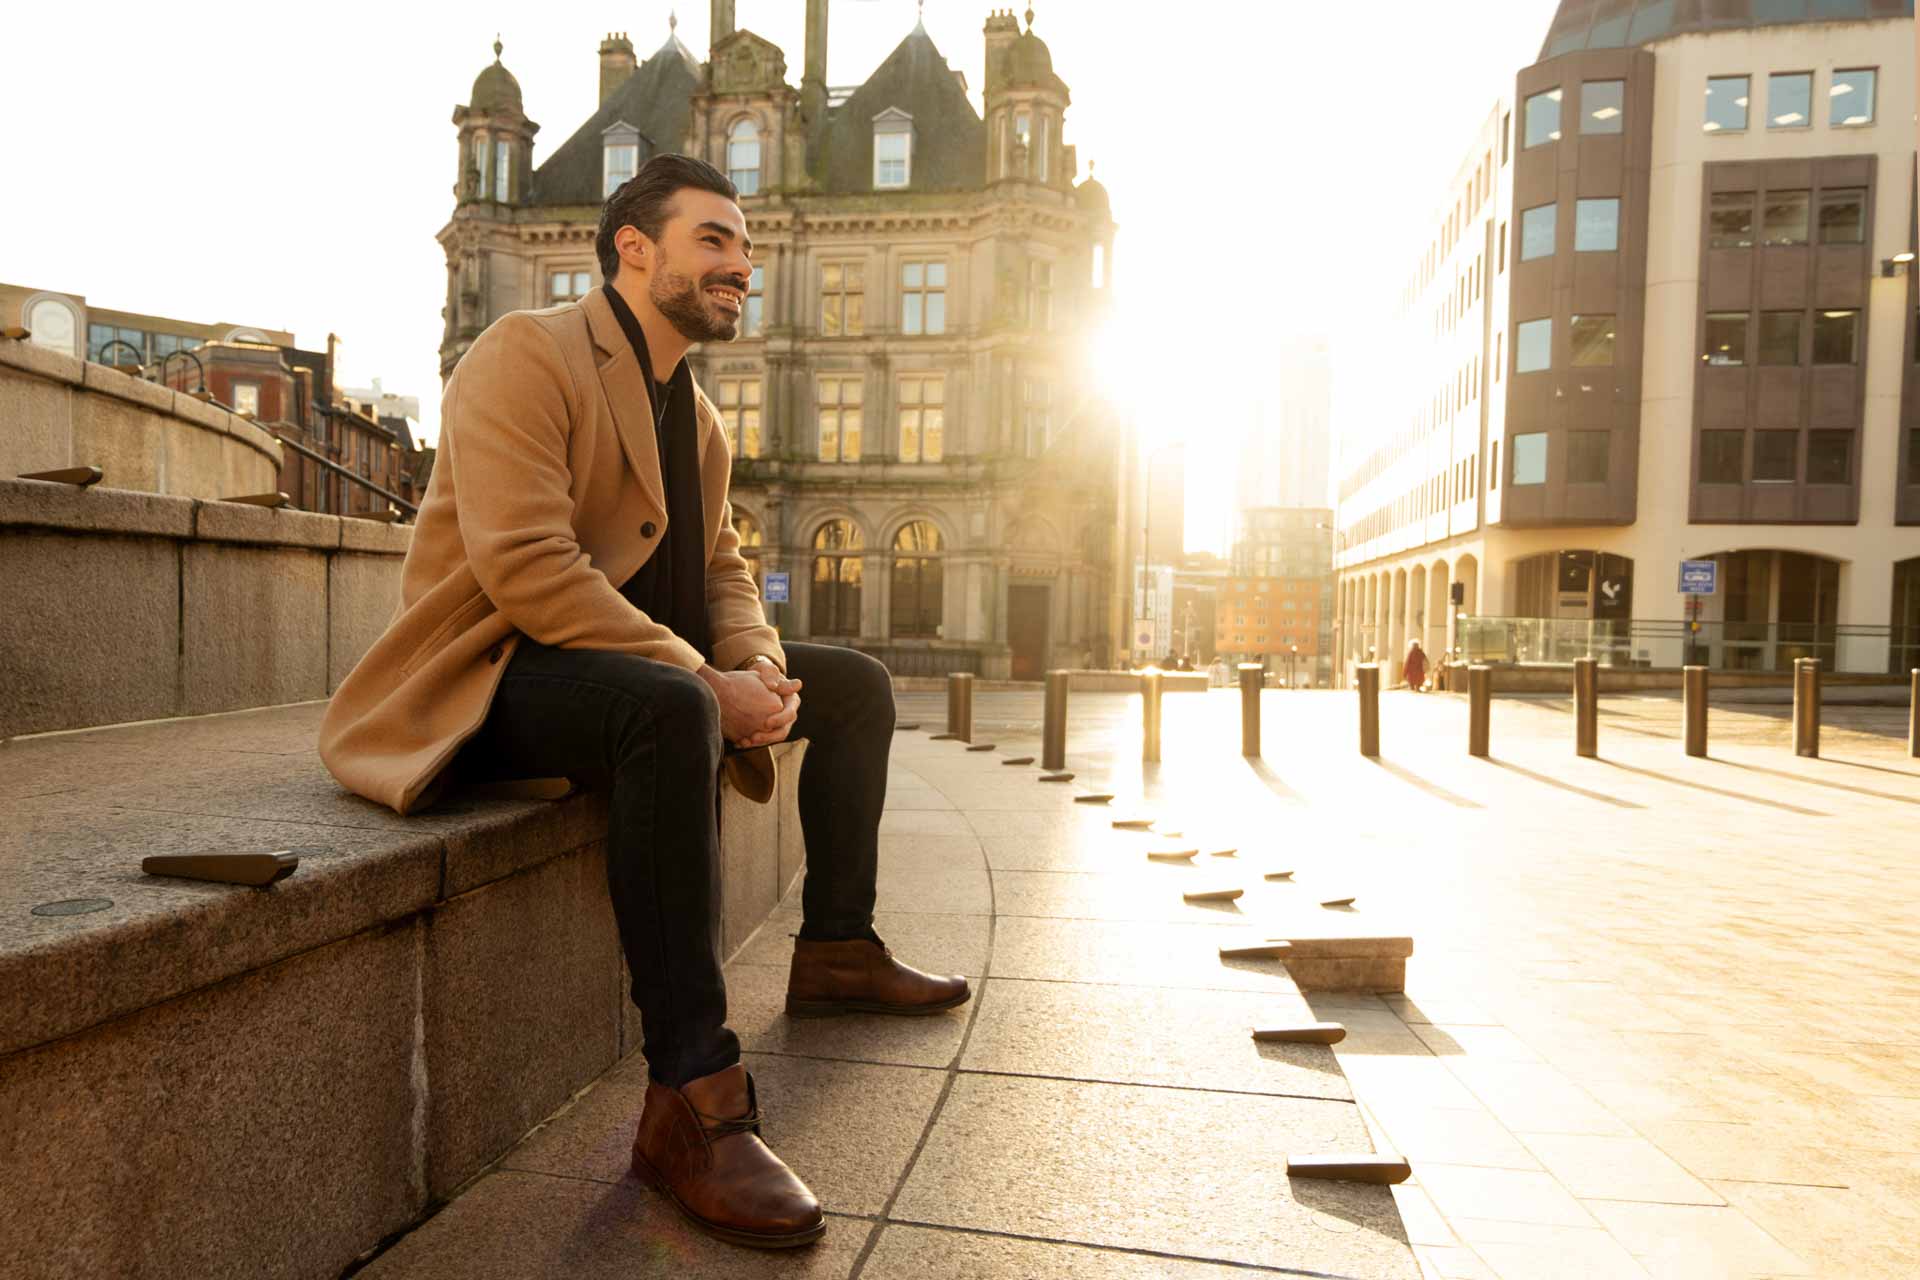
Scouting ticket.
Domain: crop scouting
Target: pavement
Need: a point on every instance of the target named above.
(1660, 1019)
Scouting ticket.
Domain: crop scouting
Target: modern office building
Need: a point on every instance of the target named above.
(915, 444)
(1277, 605)
(1666, 313)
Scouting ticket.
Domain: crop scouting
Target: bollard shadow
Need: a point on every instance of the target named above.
(1819, 782)
(1263, 771)
(1551, 781)
(1431, 788)
(1877, 768)
(1657, 776)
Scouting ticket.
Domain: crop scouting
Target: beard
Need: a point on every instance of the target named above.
(688, 309)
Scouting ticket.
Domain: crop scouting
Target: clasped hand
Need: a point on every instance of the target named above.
(757, 706)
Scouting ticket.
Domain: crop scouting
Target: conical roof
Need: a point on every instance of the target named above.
(495, 89)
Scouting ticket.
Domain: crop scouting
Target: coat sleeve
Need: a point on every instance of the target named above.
(506, 435)
(734, 615)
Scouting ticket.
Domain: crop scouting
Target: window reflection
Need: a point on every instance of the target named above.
(1851, 97)
(1790, 100)
(1602, 106)
(1726, 104)
(1542, 121)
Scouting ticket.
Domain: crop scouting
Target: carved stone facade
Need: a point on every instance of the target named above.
(916, 443)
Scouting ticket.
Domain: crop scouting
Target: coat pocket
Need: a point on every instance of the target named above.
(457, 621)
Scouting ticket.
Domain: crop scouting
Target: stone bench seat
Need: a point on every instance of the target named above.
(197, 1077)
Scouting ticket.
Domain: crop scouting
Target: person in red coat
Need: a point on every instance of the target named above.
(1416, 667)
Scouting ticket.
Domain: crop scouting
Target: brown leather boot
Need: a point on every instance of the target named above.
(700, 1146)
(861, 976)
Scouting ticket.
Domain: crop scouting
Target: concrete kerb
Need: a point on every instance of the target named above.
(177, 961)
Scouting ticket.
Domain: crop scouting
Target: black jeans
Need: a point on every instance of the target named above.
(653, 731)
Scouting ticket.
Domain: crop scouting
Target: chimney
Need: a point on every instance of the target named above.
(616, 61)
(722, 24)
(1001, 30)
(816, 67)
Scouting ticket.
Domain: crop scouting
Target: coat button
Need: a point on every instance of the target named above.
(646, 529)
(495, 654)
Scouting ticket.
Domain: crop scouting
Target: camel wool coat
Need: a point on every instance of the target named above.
(546, 496)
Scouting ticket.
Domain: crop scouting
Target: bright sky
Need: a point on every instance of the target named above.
(289, 167)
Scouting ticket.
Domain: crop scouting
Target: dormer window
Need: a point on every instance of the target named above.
(743, 156)
(620, 155)
(892, 149)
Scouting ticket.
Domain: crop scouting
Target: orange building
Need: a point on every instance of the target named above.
(1257, 617)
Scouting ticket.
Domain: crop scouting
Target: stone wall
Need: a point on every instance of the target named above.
(57, 411)
(128, 606)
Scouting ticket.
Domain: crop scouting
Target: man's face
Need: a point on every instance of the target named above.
(700, 282)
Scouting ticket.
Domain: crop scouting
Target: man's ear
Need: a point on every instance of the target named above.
(634, 248)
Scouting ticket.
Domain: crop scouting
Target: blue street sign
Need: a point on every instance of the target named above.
(776, 588)
(1699, 577)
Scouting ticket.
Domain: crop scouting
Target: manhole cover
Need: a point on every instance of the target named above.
(72, 906)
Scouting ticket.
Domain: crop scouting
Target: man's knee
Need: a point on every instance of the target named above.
(672, 708)
(870, 686)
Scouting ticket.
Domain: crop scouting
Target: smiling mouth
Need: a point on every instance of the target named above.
(728, 299)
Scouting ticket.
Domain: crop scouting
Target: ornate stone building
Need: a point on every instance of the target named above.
(915, 441)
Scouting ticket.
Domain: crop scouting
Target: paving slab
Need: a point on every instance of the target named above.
(517, 1226)
(1141, 1168)
(916, 1253)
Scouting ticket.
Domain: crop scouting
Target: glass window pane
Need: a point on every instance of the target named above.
(830, 277)
(909, 391)
(1851, 97)
(1587, 456)
(750, 432)
(829, 436)
(1726, 104)
(913, 274)
(582, 282)
(1720, 454)
(856, 273)
(753, 391)
(1536, 232)
(850, 435)
(1596, 226)
(936, 313)
(856, 314)
(1730, 220)
(1780, 337)
(1835, 335)
(729, 393)
(851, 391)
(561, 281)
(910, 436)
(1602, 103)
(937, 274)
(910, 305)
(1789, 100)
(1843, 216)
(1726, 337)
(1533, 346)
(1592, 341)
(828, 391)
(1542, 119)
(750, 322)
(1830, 457)
(936, 389)
(1784, 219)
(1530, 458)
(830, 315)
(933, 442)
(1774, 456)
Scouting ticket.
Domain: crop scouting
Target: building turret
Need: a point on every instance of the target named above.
(1026, 105)
(496, 138)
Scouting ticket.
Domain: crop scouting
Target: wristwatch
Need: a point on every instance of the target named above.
(758, 657)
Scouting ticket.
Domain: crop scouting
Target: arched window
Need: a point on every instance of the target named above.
(54, 324)
(918, 580)
(750, 540)
(743, 156)
(836, 579)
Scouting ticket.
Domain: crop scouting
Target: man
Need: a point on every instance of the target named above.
(575, 603)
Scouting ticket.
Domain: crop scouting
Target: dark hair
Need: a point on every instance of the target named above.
(645, 200)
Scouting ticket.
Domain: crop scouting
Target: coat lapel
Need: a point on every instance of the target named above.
(626, 387)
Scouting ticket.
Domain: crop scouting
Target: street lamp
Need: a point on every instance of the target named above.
(1293, 659)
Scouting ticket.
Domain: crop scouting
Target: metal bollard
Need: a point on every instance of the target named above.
(1053, 728)
(1586, 707)
(1251, 676)
(1369, 685)
(960, 705)
(1913, 714)
(1693, 689)
(1479, 709)
(1806, 706)
(1150, 717)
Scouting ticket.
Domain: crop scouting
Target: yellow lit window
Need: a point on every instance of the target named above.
(843, 299)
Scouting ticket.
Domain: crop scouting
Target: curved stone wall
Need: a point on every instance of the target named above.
(56, 411)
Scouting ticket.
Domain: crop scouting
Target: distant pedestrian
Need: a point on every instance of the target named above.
(1416, 667)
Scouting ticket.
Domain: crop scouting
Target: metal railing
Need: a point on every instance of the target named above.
(1670, 643)
(913, 660)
